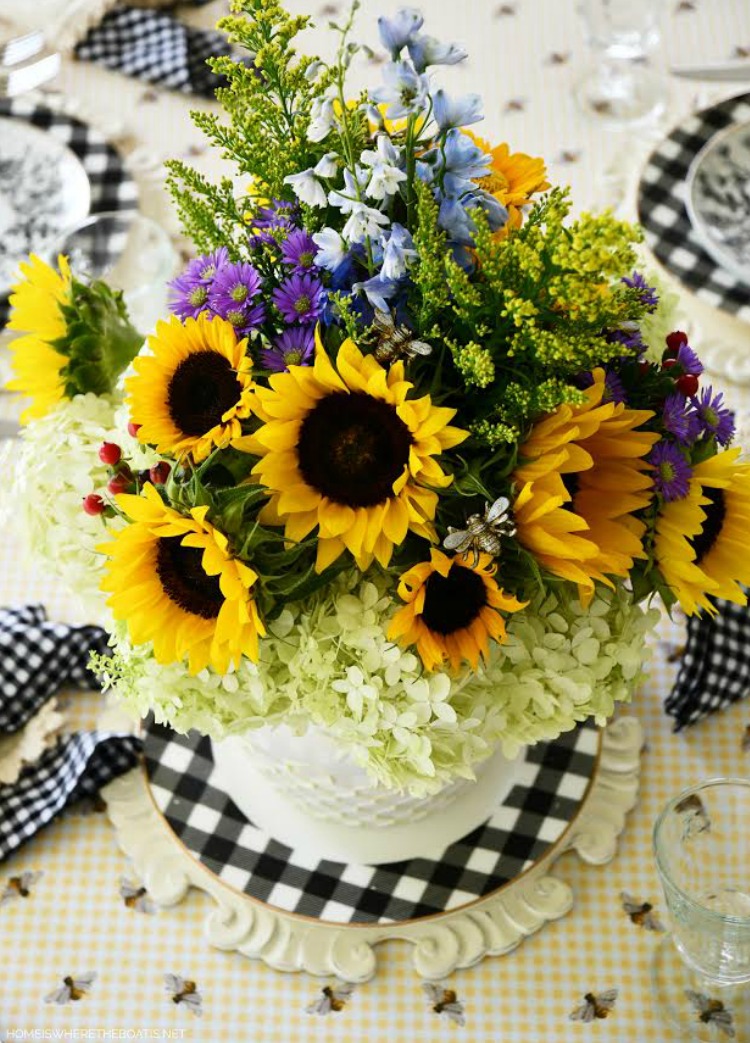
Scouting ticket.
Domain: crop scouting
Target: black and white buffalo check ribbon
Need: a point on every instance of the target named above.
(37, 659)
(715, 667)
(550, 783)
(156, 47)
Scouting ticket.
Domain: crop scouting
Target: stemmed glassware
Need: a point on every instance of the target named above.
(702, 850)
(625, 82)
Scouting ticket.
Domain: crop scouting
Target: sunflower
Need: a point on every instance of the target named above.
(344, 448)
(173, 580)
(192, 393)
(513, 178)
(452, 608)
(35, 304)
(701, 540)
(582, 478)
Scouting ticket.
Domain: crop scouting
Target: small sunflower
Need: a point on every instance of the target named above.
(194, 391)
(701, 540)
(582, 478)
(452, 609)
(35, 304)
(173, 580)
(344, 449)
(513, 178)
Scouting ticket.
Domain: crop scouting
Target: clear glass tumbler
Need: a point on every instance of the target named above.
(129, 251)
(626, 82)
(702, 849)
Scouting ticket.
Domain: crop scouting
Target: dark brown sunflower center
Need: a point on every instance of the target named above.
(454, 601)
(183, 580)
(352, 448)
(715, 513)
(203, 387)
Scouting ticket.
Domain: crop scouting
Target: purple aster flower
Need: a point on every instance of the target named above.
(299, 298)
(629, 337)
(278, 216)
(299, 250)
(680, 420)
(647, 294)
(190, 291)
(713, 417)
(232, 295)
(672, 472)
(295, 347)
(689, 361)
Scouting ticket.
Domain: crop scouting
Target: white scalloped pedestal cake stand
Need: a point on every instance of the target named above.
(490, 926)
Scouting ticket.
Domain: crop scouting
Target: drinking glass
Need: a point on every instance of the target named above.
(702, 849)
(625, 82)
(130, 252)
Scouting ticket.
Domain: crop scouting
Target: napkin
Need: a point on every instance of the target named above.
(37, 658)
(715, 668)
(155, 46)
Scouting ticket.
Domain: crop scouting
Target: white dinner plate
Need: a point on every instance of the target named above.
(44, 189)
(717, 199)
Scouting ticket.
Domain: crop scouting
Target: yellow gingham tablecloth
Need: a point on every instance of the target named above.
(524, 57)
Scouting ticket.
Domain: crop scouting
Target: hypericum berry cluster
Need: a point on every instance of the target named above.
(122, 479)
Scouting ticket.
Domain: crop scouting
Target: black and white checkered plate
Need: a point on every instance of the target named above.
(112, 185)
(662, 213)
(552, 782)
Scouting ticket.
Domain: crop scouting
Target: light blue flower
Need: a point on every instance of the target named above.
(456, 112)
(426, 50)
(322, 119)
(398, 252)
(307, 188)
(462, 158)
(404, 90)
(386, 174)
(396, 32)
(331, 249)
(378, 291)
(327, 165)
(364, 222)
(454, 219)
(349, 196)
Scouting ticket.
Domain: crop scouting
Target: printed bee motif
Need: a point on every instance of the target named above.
(569, 155)
(185, 992)
(149, 96)
(595, 1006)
(696, 818)
(515, 105)
(559, 58)
(331, 999)
(712, 1012)
(745, 744)
(19, 886)
(445, 1001)
(505, 11)
(686, 5)
(395, 342)
(741, 52)
(136, 897)
(641, 913)
(73, 989)
(483, 532)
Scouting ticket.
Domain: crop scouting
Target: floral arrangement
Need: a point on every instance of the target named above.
(419, 446)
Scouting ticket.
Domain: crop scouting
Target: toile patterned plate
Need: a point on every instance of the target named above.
(44, 189)
(718, 199)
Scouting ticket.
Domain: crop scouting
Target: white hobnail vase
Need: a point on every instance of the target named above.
(306, 791)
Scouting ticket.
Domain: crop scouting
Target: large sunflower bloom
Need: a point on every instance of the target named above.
(513, 178)
(346, 450)
(452, 609)
(582, 478)
(193, 392)
(35, 304)
(173, 580)
(701, 540)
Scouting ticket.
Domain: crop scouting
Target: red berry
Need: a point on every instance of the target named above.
(93, 504)
(676, 340)
(119, 483)
(133, 429)
(687, 384)
(644, 367)
(159, 473)
(109, 453)
(668, 363)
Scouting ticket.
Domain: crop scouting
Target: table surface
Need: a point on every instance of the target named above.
(524, 57)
